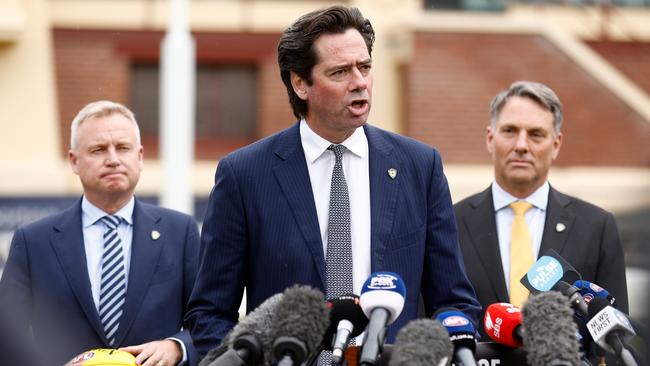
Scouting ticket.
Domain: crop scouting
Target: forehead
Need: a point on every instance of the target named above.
(341, 47)
(108, 127)
(526, 112)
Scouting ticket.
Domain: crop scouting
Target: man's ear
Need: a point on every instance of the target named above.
(299, 86)
(489, 137)
(557, 144)
(72, 160)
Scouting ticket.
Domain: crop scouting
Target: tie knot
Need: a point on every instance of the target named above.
(520, 207)
(111, 221)
(338, 151)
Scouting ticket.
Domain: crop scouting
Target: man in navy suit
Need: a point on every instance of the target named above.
(266, 226)
(524, 137)
(58, 276)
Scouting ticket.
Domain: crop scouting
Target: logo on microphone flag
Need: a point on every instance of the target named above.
(383, 281)
(546, 272)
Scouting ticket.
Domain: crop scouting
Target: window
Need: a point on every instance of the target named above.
(226, 106)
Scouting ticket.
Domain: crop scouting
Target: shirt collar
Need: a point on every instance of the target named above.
(314, 145)
(91, 213)
(538, 199)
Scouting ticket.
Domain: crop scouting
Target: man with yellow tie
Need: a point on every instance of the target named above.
(503, 229)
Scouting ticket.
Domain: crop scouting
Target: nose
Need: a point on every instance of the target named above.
(521, 143)
(358, 81)
(112, 158)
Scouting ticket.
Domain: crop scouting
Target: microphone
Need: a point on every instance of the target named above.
(249, 339)
(382, 300)
(502, 323)
(422, 342)
(347, 321)
(461, 333)
(575, 298)
(590, 291)
(608, 328)
(550, 336)
(300, 321)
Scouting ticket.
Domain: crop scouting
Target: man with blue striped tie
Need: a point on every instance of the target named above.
(111, 271)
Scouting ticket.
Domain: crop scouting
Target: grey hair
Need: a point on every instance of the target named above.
(101, 108)
(538, 92)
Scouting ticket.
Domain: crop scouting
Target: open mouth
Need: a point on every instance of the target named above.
(359, 103)
(359, 107)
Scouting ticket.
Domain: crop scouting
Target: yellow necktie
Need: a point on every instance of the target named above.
(521, 253)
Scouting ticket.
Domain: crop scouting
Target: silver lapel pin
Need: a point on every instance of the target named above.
(392, 173)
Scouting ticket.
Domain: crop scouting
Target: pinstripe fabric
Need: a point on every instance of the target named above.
(262, 203)
(113, 284)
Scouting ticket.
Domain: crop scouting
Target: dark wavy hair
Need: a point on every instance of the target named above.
(296, 47)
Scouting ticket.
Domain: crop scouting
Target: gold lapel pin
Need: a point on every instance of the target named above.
(155, 234)
(560, 227)
(392, 173)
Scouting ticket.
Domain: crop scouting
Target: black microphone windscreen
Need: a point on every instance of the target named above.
(258, 322)
(213, 354)
(422, 342)
(596, 305)
(549, 330)
(302, 314)
(344, 307)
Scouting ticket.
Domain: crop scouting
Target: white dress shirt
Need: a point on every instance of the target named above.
(535, 218)
(93, 230)
(320, 163)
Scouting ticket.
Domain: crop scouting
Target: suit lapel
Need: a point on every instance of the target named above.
(557, 212)
(383, 191)
(68, 244)
(485, 240)
(145, 254)
(293, 177)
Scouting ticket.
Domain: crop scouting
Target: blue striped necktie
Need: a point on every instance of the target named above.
(113, 285)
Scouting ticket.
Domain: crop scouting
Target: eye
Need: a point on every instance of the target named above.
(339, 72)
(537, 134)
(365, 69)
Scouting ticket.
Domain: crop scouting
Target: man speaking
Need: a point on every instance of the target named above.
(330, 199)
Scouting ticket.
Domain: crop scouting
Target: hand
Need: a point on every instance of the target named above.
(165, 352)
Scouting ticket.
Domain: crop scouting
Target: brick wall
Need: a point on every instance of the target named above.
(95, 64)
(631, 58)
(87, 69)
(452, 78)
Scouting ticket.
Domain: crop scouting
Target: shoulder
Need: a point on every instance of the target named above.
(472, 202)
(406, 151)
(577, 205)
(287, 139)
(164, 213)
(401, 143)
(47, 223)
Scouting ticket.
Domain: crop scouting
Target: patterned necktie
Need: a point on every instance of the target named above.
(521, 253)
(113, 285)
(338, 261)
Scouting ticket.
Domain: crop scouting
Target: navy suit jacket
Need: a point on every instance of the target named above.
(45, 283)
(589, 242)
(261, 231)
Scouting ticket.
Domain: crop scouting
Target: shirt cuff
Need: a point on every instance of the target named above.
(184, 359)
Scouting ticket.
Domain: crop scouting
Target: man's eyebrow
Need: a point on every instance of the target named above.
(347, 65)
